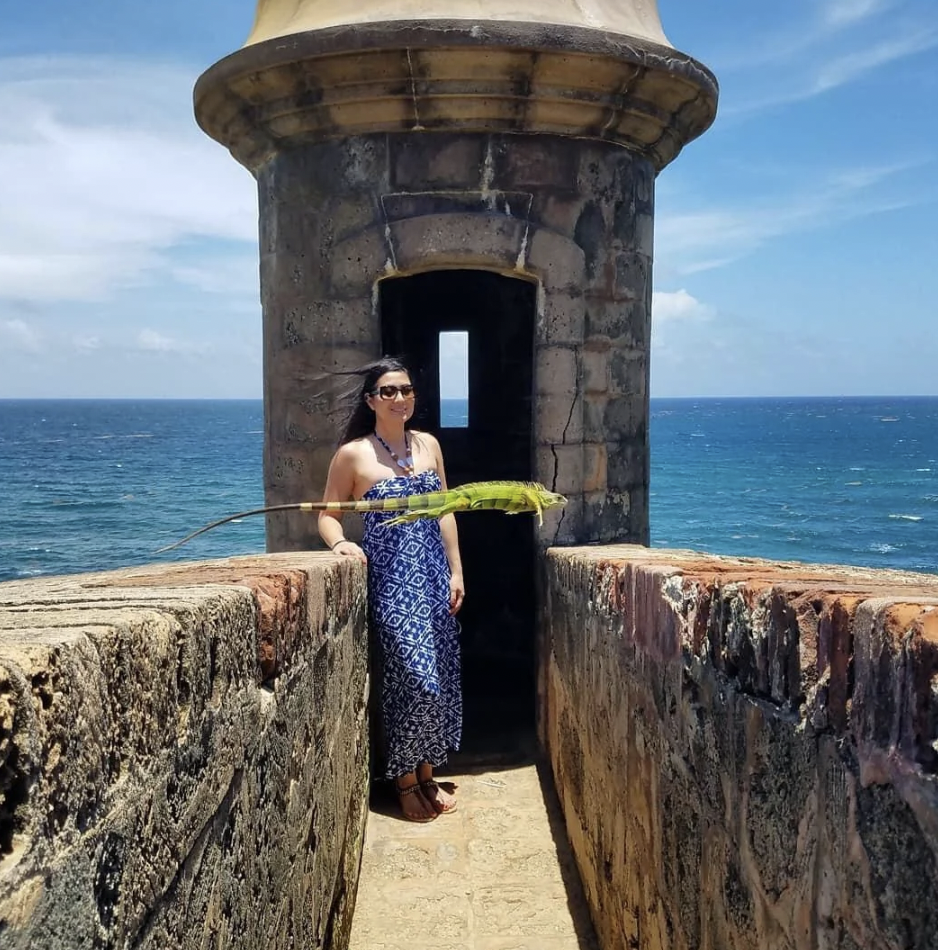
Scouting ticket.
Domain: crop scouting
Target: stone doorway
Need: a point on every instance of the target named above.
(498, 314)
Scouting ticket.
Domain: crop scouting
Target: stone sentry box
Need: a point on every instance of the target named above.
(418, 174)
(386, 142)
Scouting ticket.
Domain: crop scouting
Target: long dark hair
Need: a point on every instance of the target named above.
(361, 421)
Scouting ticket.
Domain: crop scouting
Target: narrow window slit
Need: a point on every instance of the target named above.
(454, 380)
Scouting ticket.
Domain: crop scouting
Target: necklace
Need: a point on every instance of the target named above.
(408, 463)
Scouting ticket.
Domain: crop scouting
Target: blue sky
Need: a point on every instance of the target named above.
(796, 242)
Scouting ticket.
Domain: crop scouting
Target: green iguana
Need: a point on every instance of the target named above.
(510, 497)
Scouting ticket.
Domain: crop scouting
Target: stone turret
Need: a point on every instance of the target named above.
(463, 166)
(480, 168)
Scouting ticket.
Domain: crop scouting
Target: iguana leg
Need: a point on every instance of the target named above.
(459, 505)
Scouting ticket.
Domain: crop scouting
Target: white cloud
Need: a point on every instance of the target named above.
(236, 273)
(838, 42)
(690, 241)
(18, 335)
(674, 305)
(844, 69)
(102, 172)
(154, 342)
(672, 313)
(842, 13)
(86, 343)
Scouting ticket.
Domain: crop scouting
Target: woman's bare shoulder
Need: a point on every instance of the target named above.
(351, 452)
(424, 438)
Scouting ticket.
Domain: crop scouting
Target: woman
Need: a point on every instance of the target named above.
(415, 583)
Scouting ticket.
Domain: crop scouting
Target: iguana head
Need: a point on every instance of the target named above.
(550, 499)
(540, 499)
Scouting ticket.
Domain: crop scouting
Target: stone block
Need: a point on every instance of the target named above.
(287, 279)
(490, 241)
(555, 370)
(624, 322)
(561, 319)
(598, 173)
(557, 419)
(591, 234)
(344, 215)
(523, 161)
(627, 463)
(563, 525)
(297, 472)
(556, 260)
(594, 417)
(625, 417)
(628, 372)
(330, 323)
(424, 162)
(633, 229)
(638, 513)
(606, 516)
(595, 369)
(310, 174)
(363, 162)
(632, 273)
(307, 423)
(557, 210)
(306, 368)
(562, 466)
(356, 263)
(594, 467)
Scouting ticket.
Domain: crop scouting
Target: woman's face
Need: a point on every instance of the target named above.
(389, 402)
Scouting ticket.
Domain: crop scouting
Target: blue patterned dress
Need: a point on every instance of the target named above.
(408, 594)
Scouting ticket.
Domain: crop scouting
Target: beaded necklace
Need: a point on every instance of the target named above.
(406, 464)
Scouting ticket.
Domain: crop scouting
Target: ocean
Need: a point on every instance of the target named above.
(95, 485)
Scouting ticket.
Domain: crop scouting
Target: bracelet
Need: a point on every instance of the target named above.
(332, 547)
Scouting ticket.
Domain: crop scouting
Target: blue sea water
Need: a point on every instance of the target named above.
(94, 485)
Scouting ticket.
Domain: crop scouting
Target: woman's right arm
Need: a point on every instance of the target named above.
(340, 485)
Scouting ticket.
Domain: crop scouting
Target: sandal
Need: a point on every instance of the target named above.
(430, 788)
(412, 790)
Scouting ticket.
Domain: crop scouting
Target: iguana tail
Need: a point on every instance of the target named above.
(296, 506)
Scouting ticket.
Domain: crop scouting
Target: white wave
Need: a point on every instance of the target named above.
(882, 548)
(923, 470)
(906, 517)
(853, 483)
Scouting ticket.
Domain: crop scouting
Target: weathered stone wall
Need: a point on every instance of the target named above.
(183, 756)
(746, 753)
(575, 216)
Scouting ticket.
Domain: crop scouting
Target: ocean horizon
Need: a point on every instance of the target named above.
(95, 484)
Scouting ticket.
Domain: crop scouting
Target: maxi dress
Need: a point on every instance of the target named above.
(408, 595)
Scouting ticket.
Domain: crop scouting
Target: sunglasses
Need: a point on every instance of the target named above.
(389, 392)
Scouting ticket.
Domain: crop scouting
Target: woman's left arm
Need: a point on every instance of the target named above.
(457, 587)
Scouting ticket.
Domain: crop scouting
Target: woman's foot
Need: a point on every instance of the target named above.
(414, 805)
(442, 801)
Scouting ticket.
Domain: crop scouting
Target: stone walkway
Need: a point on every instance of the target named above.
(497, 874)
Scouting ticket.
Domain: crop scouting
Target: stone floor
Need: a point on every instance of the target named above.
(497, 874)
